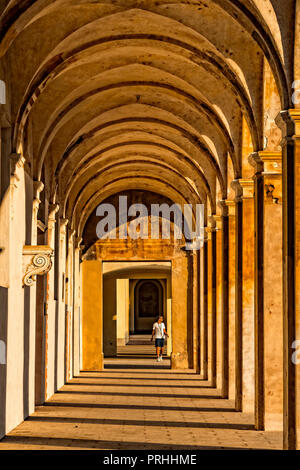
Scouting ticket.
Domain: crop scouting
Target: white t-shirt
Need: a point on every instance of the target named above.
(159, 330)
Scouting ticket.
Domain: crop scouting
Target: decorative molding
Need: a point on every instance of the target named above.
(17, 162)
(231, 207)
(237, 188)
(207, 231)
(63, 226)
(286, 121)
(295, 116)
(78, 245)
(224, 208)
(255, 160)
(71, 235)
(218, 222)
(36, 261)
(52, 210)
(38, 187)
(272, 162)
(248, 188)
(212, 223)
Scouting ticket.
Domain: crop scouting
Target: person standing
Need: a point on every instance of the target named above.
(160, 332)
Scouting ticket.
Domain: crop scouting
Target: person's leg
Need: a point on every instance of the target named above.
(162, 343)
(157, 349)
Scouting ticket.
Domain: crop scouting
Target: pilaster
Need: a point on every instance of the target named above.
(231, 298)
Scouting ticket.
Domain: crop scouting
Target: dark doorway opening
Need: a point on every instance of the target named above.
(148, 304)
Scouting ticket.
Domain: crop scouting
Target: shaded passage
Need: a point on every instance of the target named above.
(146, 408)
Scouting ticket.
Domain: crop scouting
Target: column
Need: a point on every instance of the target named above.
(39, 300)
(219, 306)
(289, 121)
(122, 300)
(77, 302)
(259, 334)
(169, 314)
(238, 222)
(61, 300)
(204, 307)
(211, 290)
(248, 324)
(92, 331)
(295, 114)
(50, 311)
(272, 281)
(197, 311)
(224, 298)
(180, 312)
(231, 299)
(70, 304)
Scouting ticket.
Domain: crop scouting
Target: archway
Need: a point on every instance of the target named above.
(149, 302)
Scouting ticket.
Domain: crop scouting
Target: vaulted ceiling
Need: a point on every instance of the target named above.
(123, 94)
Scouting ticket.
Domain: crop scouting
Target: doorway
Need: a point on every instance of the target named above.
(148, 304)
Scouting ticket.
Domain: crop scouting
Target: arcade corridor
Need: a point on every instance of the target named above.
(138, 404)
(124, 123)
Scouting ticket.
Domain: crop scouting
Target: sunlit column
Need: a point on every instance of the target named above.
(212, 329)
(50, 311)
(92, 321)
(231, 299)
(204, 308)
(248, 324)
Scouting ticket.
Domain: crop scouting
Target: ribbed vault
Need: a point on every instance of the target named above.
(138, 94)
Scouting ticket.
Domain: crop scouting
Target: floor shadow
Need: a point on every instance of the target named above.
(136, 366)
(141, 378)
(109, 445)
(136, 385)
(120, 406)
(132, 394)
(135, 422)
(115, 366)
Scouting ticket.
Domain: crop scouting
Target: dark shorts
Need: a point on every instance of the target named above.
(159, 342)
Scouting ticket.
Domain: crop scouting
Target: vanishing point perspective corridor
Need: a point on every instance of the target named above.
(149, 182)
(137, 404)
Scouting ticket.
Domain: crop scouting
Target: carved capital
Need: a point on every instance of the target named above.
(224, 208)
(36, 261)
(17, 162)
(272, 162)
(231, 207)
(255, 161)
(38, 187)
(212, 223)
(78, 241)
(248, 188)
(218, 222)
(295, 116)
(287, 124)
(236, 186)
(207, 232)
(63, 226)
(72, 234)
(53, 209)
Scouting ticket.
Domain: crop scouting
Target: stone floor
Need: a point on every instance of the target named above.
(136, 403)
